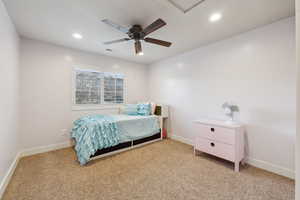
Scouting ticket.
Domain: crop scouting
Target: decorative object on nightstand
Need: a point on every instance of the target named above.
(229, 110)
(163, 112)
(221, 139)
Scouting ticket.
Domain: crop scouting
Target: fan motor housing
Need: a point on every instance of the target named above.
(135, 32)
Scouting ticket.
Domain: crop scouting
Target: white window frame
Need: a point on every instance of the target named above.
(103, 104)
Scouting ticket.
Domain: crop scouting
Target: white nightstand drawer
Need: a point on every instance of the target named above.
(216, 133)
(204, 145)
(218, 149)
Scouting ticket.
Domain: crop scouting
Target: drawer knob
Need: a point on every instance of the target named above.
(212, 129)
(212, 144)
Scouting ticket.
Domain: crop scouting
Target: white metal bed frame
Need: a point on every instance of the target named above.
(162, 116)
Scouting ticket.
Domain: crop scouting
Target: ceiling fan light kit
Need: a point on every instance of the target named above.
(137, 33)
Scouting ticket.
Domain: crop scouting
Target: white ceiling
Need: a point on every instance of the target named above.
(55, 20)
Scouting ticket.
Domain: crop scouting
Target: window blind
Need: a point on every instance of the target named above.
(113, 88)
(88, 87)
(94, 87)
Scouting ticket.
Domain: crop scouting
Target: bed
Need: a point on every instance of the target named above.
(98, 136)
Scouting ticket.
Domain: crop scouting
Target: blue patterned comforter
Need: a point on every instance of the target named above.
(102, 131)
(92, 133)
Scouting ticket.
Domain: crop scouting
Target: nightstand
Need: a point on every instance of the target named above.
(221, 139)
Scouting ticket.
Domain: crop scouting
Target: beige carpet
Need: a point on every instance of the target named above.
(162, 170)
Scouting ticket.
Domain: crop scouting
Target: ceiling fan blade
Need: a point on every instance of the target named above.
(158, 42)
(138, 47)
(116, 26)
(116, 41)
(154, 26)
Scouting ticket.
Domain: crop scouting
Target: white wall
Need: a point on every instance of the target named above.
(298, 100)
(9, 75)
(46, 88)
(256, 70)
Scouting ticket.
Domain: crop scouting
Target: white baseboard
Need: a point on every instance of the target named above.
(251, 161)
(271, 167)
(182, 139)
(43, 149)
(9, 174)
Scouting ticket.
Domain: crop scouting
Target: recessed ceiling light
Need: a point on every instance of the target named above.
(77, 36)
(215, 17)
(140, 53)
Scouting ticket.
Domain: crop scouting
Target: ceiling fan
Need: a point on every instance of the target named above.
(137, 33)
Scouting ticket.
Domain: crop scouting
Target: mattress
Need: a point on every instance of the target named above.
(136, 127)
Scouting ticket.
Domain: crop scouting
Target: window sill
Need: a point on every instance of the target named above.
(100, 107)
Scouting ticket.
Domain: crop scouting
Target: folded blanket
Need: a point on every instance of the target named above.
(92, 133)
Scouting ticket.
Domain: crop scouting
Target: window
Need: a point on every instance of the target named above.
(113, 88)
(94, 88)
(88, 87)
